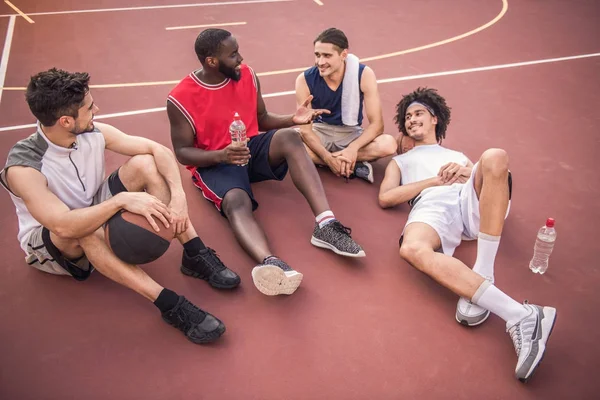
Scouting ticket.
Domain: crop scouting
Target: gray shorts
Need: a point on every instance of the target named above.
(45, 256)
(336, 137)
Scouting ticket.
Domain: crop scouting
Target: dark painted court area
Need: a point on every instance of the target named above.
(372, 328)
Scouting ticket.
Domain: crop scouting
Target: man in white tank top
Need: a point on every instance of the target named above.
(451, 198)
(56, 179)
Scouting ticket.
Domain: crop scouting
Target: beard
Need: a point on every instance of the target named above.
(78, 130)
(230, 73)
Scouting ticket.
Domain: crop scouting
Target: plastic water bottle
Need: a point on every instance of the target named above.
(543, 247)
(237, 130)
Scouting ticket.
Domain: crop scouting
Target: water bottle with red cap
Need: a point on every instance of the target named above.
(543, 247)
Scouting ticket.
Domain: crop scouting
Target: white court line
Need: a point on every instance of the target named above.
(225, 3)
(174, 28)
(21, 13)
(5, 53)
(388, 80)
(319, 2)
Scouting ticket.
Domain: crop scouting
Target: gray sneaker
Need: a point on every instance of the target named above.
(336, 237)
(529, 337)
(274, 277)
(470, 314)
(364, 170)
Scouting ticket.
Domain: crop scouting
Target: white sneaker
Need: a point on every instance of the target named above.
(529, 337)
(470, 314)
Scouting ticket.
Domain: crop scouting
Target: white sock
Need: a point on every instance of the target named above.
(491, 298)
(324, 218)
(487, 248)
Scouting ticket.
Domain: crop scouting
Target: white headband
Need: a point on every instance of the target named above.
(416, 103)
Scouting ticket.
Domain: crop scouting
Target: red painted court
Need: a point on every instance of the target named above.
(520, 75)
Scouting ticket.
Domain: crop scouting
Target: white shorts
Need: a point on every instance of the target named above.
(453, 211)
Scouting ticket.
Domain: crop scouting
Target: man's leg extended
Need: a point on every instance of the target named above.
(286, 146)
(529, 325)
(141, 174)
(271, 276)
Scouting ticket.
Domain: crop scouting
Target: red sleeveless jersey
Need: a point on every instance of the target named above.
(210, 108)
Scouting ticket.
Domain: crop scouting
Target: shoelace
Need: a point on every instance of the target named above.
(187, 315)
(516, 333)
(516, 336)
(212, 260)
(338, 227)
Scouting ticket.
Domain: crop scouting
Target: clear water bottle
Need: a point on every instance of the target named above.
(237, 130)
(543, 247)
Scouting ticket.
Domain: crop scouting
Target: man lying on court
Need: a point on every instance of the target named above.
(55, 178)
(450, 199)
(340, 84)
(200, 109)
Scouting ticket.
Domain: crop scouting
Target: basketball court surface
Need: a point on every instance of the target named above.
(522, 75)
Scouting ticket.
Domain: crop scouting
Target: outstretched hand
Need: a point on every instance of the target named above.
(305, 115)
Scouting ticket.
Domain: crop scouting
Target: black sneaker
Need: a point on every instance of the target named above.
(364, 170)
(207, 265)
(336, 237)
(197, 325)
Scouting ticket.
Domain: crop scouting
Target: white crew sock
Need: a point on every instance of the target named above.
(491, 298)
(324, 218)
(487, 248)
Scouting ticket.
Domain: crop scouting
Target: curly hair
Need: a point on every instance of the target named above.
(432, 99)
(54, 93)
(208, 43)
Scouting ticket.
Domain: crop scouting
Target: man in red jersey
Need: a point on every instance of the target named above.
(200, 109)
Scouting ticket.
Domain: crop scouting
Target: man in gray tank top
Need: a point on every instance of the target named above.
(56, 179)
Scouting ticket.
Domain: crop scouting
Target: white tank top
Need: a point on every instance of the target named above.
(424, 162)
(74, 174)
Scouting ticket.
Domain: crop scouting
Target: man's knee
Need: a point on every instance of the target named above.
(236, 201)
(142, 164)
(386, 145)
(495, 162)
(413, 252)
(289, 139)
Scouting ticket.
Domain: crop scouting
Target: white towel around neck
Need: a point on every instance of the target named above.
(351, 92)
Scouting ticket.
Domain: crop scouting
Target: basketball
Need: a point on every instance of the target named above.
(133, 240)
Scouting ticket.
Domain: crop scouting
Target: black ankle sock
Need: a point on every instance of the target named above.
(166, 300)
(194, 246)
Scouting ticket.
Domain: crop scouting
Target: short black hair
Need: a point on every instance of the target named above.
(334, 36)
(208, 43)
(431, 99)
(54, 93)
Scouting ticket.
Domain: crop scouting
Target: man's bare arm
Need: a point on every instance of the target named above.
(391, 193)
(31, 186)
(368, 86)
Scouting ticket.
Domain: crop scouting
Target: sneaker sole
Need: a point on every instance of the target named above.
(466, 323)
(194, 274)
(547, 327)
(325, 245)
(272, 281)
